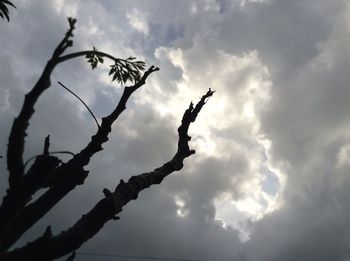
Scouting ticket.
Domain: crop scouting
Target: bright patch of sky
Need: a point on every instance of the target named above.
(269, 180)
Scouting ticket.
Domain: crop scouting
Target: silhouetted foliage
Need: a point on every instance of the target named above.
(4, 11)
(19, 212)
(123, 70)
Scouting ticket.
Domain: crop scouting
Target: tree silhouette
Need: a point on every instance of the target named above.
(4, 11)
(18, 212)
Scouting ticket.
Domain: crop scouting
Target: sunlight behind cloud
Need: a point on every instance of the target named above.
(180, 204)
(231, 126)
(343, 156)
(272, 158)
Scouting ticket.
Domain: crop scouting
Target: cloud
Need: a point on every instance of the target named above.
(311, 134)
(272, 145)
(138, 22)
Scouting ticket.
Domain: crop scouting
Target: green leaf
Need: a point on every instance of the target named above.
(115, 76)
(4, 12)
(111, 71)
(126, 70)
(125, 78)
(94, 64)
(9, 3)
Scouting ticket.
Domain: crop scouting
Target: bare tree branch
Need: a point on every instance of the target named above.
(67, 176)
(17, 214)
(18, 132)
(106, 209)
(17, 195)
(87, 107)
(87, 52)
(21, 186)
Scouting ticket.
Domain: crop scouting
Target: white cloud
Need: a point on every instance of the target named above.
(137, 21)
(272, 144)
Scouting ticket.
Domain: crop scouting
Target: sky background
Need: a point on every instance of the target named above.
(271, 174)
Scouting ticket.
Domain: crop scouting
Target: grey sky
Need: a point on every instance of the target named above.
(270, 177)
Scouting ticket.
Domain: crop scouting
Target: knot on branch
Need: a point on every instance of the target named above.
(107, 192)
(127, 190)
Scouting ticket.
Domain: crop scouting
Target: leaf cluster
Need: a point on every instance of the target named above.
(94, 58)
(127, 70)
(122, 70)
(4, 11)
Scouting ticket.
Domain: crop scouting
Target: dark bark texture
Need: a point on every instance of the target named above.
(18, 212)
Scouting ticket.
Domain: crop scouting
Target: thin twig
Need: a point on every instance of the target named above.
(71, 257)
(98, 125)
(54, 152)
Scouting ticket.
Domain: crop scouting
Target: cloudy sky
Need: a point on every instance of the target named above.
(270, 177)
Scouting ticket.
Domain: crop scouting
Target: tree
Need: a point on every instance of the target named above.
(4, 11)
(18, 212)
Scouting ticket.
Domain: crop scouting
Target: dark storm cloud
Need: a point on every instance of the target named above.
(309, 133)
(296, 51)
(284, 32)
